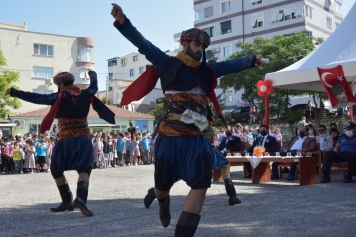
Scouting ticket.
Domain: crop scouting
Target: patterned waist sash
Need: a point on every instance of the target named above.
(73, 127)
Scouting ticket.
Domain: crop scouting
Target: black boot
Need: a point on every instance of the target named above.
(164, 213)
(150, 196)
(187, 224)
(231, 192)
(67, 199)
(81, 200)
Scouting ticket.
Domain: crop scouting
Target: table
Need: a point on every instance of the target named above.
(262, 173)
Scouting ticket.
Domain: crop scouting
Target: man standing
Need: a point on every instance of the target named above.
(267, 141)
(74, 150)
(186, 83)
(344, 151)
(302, 143)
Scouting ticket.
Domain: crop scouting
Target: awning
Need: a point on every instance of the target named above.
(2, 125)
(101, 125)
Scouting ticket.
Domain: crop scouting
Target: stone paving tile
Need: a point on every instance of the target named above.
(277, 208)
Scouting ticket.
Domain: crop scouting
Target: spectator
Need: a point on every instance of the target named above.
(6, 157)
(267, 141)
(41, 152)
(127, 139)
(120, 147)
(134, 148)
(344, 151)
(302, 143)
(17, 157)
(145, 143)
(230, 143)
(29, 163)
(98, 151)
(325, 140)
(106, 150)
(254, 114)
(334, 133)
(278, 135)
(309, 109)
(312, 132)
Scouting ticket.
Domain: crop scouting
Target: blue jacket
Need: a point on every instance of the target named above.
(106, 147)
(270, 144)
(234, 144)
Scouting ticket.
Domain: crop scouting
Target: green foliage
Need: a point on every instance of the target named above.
(104, 100)
(294, 116)
(7, 80)
(157, 112)
(282, 51)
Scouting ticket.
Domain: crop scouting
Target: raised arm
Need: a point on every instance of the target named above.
(145, 47)
(33, 97)
(93, 88)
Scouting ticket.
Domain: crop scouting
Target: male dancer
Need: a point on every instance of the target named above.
(74, 150)
(181, 149)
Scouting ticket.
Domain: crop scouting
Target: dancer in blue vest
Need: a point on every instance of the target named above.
(182, 151)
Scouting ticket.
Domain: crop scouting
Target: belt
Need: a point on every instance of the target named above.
(175, 109)
(73, 128)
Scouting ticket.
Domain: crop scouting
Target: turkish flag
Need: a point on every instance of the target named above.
(336, 87)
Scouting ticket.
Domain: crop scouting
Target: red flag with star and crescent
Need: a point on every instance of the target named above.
(336, 87)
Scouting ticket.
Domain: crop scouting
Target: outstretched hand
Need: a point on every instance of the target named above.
(7, 92)
(117, 13)
(258, 59)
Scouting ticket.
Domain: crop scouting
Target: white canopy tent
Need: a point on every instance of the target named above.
(338, 49)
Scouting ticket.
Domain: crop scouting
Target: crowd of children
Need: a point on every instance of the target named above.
(31, 153)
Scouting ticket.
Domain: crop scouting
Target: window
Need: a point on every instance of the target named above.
(210, 31)
(255, 2)
(111, 76)
(328, 22)
(229, 96)
(119, 128)
(42, 49)
(336, 25)
(227, 51)
(338, 7)
(112, 62)
(209, 53)
(131, 72)
(225, 27)
(42, 72)
(123, 62)
(135, 58)
(85, 53)
(257, 21)
(308, 11)
(225, 6)
(204, 13)
(35, 128)
(141, 70)
(83, 74)
(97, 129)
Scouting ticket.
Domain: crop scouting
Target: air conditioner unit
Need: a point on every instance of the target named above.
(19, 122)
(217, 50)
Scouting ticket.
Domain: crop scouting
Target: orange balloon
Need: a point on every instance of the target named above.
(260, 83)
(260, 93)
(268, 83)
(270, 90)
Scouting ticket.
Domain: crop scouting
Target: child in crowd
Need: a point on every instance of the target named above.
(112, 149)
(41, 152)
(120, 147)
(29, 163)
(145, 143)
(17, 157)
(152, 150)
(106, 149)
(98, 150)
(134, 149)
(6, 157)
(127, 140)
(50, 145)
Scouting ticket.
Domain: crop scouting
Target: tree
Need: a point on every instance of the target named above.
(282, 52)
(7, 80)
(104, 100)
(157, 112)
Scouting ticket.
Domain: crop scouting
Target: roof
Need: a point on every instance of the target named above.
(119, 113)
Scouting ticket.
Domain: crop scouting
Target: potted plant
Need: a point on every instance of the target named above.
(258, 150)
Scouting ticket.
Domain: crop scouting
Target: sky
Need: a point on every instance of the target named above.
(157, 20)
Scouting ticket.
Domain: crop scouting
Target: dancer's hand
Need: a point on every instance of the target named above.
(117, 13)
(258, 59)
(7, 92)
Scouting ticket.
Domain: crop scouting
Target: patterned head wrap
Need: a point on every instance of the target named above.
(195, 34)
(63, 77)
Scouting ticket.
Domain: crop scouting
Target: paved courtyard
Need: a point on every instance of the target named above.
(116, 197)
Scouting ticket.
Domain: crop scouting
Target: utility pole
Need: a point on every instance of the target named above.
(107, 89)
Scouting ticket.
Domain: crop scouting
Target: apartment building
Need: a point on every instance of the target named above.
(122, 71)
(230, 21)
(39, 56)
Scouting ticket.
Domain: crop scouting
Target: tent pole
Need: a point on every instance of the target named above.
(351, 111)
(266, 110)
